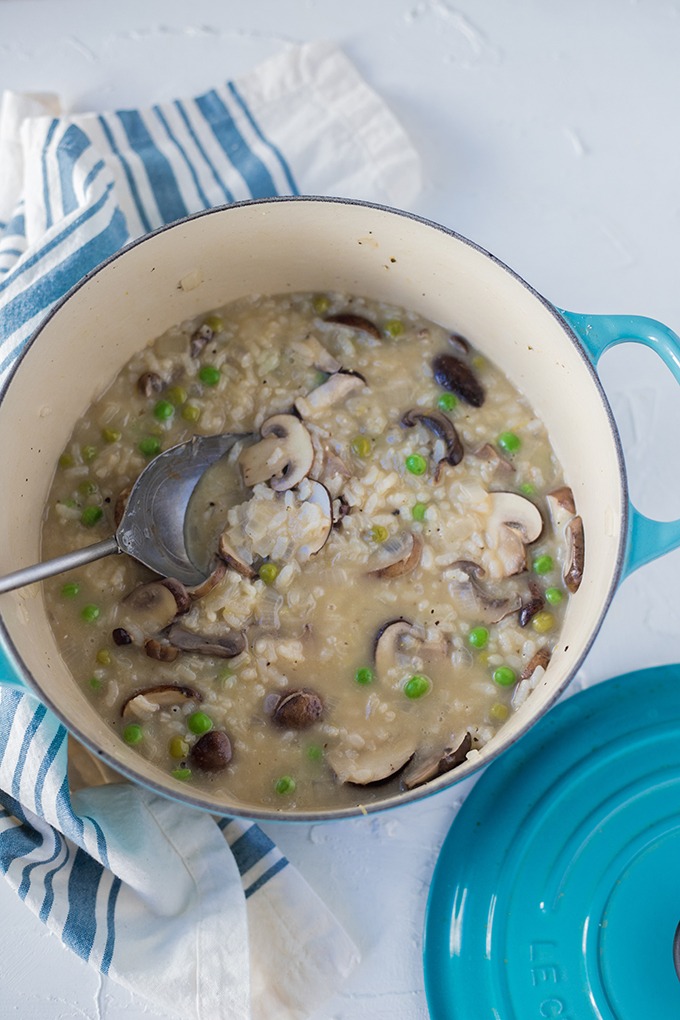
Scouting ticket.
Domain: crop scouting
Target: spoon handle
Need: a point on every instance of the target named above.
(28, 575)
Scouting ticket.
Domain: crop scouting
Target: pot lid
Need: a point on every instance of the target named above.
(557, 890)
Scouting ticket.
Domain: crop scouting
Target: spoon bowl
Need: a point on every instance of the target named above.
(152, 528)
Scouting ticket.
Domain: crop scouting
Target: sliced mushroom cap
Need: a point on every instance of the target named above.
(317, 495)
(388, 640)
(179, 593)
(224, 646)
(234, 560)
(481, 603)
(283, 456)
(149, 700)
(561, 506)
(329, 394)
(489, 453)
(199, 591)
(149, 383)
(514, 522)
(202, 336)
(437, 764)
(371, 766)
(442, 427)
(532, 605)
(160, 650)
(148, 609)
(540, 660)
(296, 710)
(398, 556)
(212, 752)
(454, 375)
(355, 322)
(575, 559)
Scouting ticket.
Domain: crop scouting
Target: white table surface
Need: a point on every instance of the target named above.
(550, 134)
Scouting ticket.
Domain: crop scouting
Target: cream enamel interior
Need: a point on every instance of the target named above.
(297, 245)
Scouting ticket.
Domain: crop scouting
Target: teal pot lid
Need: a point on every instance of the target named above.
(557, 890)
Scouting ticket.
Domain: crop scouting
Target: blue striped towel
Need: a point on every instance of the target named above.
(201, 917)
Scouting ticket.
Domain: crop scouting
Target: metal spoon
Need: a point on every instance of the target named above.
(152, 527)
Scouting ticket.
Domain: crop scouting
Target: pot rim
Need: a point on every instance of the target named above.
(447, 779)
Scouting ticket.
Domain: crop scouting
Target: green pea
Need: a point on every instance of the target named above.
(528, 489)
(111, 435)
(215, 323)
(150, 446)
(417, 686)
(268, 572)
(447, 402)
(418, 511)
(209, 375)
(88, 453)
(499, 712)
(133, 734)
(509, 442)
(416, 464)
(543, 564)
(91, 515)
(163, 410)
(478, 637)
(90, 613)
(199, 722)
(394, 327)
(178, 747)
(364, 675)
(361, 446)
(66, 461)
(284, 785)
(379, 533)
(543, 622)
(87, 488)
(321, 304)
(181, 774)
(177, 395)
(70, 590)
(504, 676)
(554, 596)
(95, 683)
(103, 657)
(191, 413)
(314, 752)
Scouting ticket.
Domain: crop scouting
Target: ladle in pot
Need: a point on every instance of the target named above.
(152, 529)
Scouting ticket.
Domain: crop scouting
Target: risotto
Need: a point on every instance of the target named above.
(389, 547)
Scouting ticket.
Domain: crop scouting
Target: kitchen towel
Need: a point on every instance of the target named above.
(205, 918)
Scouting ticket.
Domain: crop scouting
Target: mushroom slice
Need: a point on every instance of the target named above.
(318, 496)
(489, 453)
(437, 764)
(539, 660)
(233, 560)
(561, 506)
(442, 427)
(399, 556)
(534, 604)
(149, 700)
(224, 646)
(162, 651)
(283, 456)
(355, 322)
(454, 375)
(484, 606)
(212, 752)
(371, 766)
(199, 591)
(316, 354)
(148, 609)
(333, 391)
(573, 569)
(388, 641)
(514, 523)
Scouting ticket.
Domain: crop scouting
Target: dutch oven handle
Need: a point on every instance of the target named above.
(647, 539)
